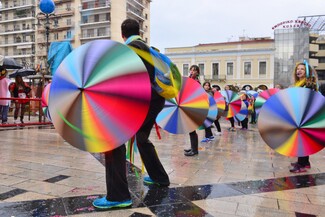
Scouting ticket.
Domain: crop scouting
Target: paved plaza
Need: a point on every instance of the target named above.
(237, 174)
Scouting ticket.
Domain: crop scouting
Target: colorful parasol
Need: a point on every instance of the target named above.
(45, 101)
(220, 101)
(187, 111)
(262, 97)
(292, 122)
(252, 93)
(212, 114)
(243, 112)
(234, 102)
(99, 96)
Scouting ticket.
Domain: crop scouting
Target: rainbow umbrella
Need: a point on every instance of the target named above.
(220, 101)
(45, 101)
(212, 114)
(262, 97)
(234, 102)
(252, 93)
(243, 112)
(100, 96)
(187, 111)
(292, 122)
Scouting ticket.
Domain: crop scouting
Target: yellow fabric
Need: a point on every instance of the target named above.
(300, 83)
(168, 91)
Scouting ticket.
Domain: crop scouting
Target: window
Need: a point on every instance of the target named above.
(185, 69)
(321, 60)
(101, 31)
(90, 33)
(322, 47)
(69, 34)
(56, 36)
(262, 68)
(247, 68)
(96, 18)
(215, 70)
(85, 19)
(230, 69)
(201, 67)
(69, 22)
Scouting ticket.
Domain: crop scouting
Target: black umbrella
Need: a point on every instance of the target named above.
(9, 63)
(23, 73)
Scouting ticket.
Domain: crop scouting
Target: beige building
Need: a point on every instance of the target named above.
(77, 21)
(247, 61)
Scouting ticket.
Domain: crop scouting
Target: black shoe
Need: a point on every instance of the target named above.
(191, 153)
(187, 150)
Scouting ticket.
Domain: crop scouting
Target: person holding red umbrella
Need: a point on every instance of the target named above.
(304, 76)
(118, 194)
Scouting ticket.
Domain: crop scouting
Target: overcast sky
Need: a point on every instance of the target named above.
(177, 23)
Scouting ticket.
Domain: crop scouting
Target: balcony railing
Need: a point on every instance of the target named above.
(15, 42)
(14, 5)
(93, 35)
(93, 5)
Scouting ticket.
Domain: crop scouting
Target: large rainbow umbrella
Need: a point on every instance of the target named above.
(220, 101)
(100, 96)
(187, 111)
(263, 97)
(243, 112)
(212, 114)
(234, 102)
(292, 122)
(45, 101)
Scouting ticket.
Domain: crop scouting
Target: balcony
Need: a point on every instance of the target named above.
(88, 6)
(313, 48)
(135, 13)
(94, 22)
(16, 43)
(65, 13)
(137, 2)
(321, 66)
(17, 6)
(94, 36)
(17, 31)
(58, 2)
(16, 19)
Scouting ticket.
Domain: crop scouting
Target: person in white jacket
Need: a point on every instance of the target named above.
(4, 93)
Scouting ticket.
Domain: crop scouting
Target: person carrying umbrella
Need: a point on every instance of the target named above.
(118, 194)
(19, 89)
(4, 93)
(304, 76)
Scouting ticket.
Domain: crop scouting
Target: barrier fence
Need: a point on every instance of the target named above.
(33, 113)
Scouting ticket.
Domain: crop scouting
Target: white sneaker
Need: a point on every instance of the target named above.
(217, 133)
(16, 122)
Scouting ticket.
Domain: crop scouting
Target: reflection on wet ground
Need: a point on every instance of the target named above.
(235, 175)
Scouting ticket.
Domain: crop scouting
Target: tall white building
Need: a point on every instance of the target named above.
(77, 21)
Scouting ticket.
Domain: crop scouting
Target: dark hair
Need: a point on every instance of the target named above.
(130, 27)
(3, 71)
(196, 68)
(217, 87)
(322, 89)
(206, 82)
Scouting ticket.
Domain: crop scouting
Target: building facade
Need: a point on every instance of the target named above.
(249, 61)
(254, 61)
(78, 21)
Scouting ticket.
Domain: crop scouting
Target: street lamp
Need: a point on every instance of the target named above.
(47, 8)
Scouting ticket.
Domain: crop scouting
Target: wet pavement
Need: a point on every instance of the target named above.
(237, 174)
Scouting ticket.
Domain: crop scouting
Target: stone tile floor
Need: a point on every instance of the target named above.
(237, 174)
